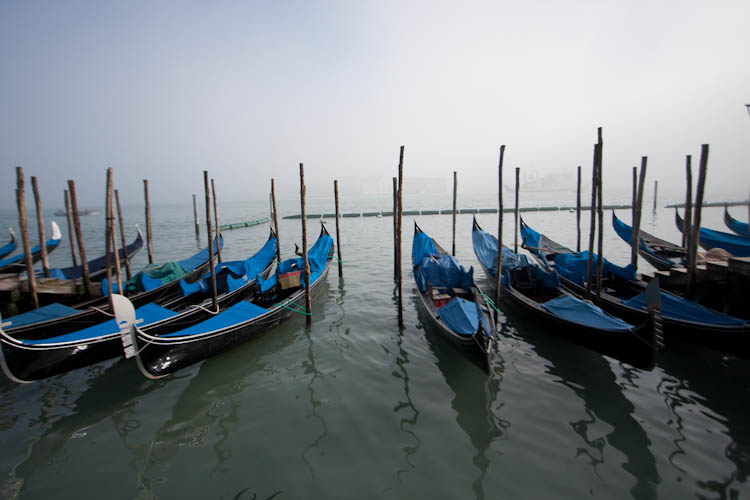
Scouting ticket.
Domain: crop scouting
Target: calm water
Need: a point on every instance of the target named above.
(354, 407)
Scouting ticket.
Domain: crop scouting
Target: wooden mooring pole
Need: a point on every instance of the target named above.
(40, 227)
(600, 213)
(592, 227)
(22, 223)
(108, 241)
(656, 193)
(216, 219)
(499, 228)
(635, 242)
(515, 213)
(455, 203)
(149, 243)
(306, 271)
(338, 231)
(209, 230)
(398, 232)
(70, 229)
(112, 230)
(275, 220)
(125, 258)
(79, 237)
(635, 197)
(695, 233)
(687, 219)
(195, 218)
(395, 227)
(578, 211)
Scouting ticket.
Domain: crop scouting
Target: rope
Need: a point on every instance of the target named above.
(299, 309)
(102, 311)
(490, 302)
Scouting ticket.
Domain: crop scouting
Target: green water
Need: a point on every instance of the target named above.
(354, 407)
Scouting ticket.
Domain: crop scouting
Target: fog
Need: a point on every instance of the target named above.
(248, 90)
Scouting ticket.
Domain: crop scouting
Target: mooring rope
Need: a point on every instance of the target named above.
(285, 304)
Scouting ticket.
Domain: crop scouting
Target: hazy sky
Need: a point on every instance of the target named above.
(248, 90)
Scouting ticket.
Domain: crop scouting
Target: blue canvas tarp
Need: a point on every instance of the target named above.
(443, 272)
(461, 316)
(675, 307)
(737, 245)
(573, 267)
(741, 228)
(584, 313)
(50, 311)
(422, 246)
(238, 313)
(485, 247)
(317, 257)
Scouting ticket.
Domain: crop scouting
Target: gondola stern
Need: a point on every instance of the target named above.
(126, 320)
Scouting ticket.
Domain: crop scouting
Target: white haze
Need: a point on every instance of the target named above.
(248, 90)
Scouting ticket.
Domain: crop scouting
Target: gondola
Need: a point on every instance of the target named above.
(57, 319)
(738, 246)
(450, 297)
(740, 228)
(17, 263)
(625, 296)
(538, 292)
(164, 350)
(97, 267)
(25, 360)
(660, 253)
(9, 247)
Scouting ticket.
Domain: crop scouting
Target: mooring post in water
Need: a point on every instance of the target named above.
(195, 218)
(70, 229)
(592, 227)
(125, 257)
(216, 220)
(22, 223)
(40, 227)
(578, 211)
(499, 227)
(600, 213)
(275, 221)
(687, 219)
(108, 239)
(398, 231)
(79, 237)
(635, 196)
(395, 227)
(338, 232)
(695, 233)
(656, 192)
(306, 271)
(515, 212)
(149, 243)
(635, 242)
(112, 231)
(455, 201)
(209, 230)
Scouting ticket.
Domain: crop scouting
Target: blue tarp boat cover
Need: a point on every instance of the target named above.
(19, 257)
(194, 262)
(443, 272)
(675, 307)
(460, 315)
(485, 246)
(573, 267)
(50, 311)
(737, 245)
(149, 313)
(234, 274)
(317, 257)
(422, 246)
(584, 313)
(238, 313)
(741, 228)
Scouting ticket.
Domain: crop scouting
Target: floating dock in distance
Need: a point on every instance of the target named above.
(450, 212)
(238, 225)
(713, 204)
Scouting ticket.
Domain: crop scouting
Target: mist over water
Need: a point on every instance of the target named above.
(354, 407)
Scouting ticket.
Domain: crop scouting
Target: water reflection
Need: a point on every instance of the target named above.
(707, 394)
(475, 395)
(310, 369)
(84, 409)
(589, 375)
(336, 324)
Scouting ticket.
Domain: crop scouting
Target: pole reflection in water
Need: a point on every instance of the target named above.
(309, 369)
